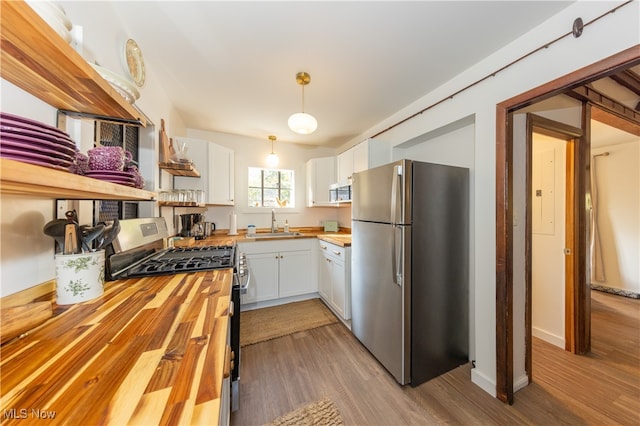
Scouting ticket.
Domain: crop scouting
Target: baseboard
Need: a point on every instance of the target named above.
(548, 337)
(276, 302)
(520, 382)
(485, 383)
(616, 291)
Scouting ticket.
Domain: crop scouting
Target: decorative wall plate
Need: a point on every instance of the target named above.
(135, 62)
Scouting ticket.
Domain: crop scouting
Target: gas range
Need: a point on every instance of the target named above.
(139, 251)
(184, 259)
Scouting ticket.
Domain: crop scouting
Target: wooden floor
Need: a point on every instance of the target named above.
(600, 388)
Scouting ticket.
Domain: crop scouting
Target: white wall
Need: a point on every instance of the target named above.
(605, 37)
(548, 239)
(618, 214)
(251, 152)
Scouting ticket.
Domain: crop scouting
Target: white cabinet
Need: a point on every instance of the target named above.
(361, 157)
(263, 284)
(279, 269)
(216, 166)
(366, 155)
(321, 172)
(221, 175)
(334, 277)
(345, 166)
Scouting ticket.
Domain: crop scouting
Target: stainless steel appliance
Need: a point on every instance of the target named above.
(340, 192)
(409, 259)
(139, 251)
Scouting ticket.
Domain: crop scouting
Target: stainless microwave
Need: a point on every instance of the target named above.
(340, 192)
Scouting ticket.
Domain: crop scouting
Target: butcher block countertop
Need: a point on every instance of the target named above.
(342, 238)
(148, 351)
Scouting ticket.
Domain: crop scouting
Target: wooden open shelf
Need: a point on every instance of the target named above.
(19, 178)
(180, 204)
(36, 59)
(177, 169)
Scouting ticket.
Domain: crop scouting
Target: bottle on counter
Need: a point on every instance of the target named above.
(286, 226)
(251, 231)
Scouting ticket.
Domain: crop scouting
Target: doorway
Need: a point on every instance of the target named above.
(504, 208)
(551, 310)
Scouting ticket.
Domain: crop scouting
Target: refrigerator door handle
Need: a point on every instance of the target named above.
(397, 176)
(398, 254)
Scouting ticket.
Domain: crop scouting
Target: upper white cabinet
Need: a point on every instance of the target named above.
(365, 155)
(221, 175)
(216, 166)
(345, 166)
(321, 172)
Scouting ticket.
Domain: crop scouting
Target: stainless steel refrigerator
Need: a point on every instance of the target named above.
(410, 268)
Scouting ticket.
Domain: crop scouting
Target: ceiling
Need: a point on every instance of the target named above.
(231, 66)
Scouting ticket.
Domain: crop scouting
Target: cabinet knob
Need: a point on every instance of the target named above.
(336, 252)
(328, 260)
(323, 247)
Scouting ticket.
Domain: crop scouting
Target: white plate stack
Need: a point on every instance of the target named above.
(54, 15)
(125, 88)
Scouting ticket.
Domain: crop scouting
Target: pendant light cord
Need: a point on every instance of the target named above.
(493, 74)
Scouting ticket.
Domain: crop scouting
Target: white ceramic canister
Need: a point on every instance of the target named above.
(79, 277)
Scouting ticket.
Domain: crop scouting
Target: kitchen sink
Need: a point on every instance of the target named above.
(277, 234)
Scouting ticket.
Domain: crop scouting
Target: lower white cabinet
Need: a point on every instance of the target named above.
(334, 277)
(279, 269)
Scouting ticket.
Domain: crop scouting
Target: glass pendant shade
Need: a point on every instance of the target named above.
(272, 160)
(303, 123)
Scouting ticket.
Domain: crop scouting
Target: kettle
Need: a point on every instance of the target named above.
(209, 228)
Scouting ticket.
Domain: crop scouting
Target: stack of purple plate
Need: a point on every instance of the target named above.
(33, 142)
(113, 176)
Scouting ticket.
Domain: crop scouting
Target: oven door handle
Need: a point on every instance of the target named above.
(244, 281)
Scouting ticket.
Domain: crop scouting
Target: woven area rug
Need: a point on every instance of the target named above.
(263, 324)
(320, 413)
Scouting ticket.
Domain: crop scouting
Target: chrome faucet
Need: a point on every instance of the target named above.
(274, 224)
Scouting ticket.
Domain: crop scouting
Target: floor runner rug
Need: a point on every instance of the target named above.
(259, 325)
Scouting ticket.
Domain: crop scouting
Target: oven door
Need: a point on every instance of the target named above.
(235, 347)
(241, 278)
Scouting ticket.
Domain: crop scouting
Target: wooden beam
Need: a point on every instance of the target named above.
(605, 117)
(629, 80)
(602, 101)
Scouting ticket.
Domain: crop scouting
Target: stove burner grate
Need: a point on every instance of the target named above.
(185, 259)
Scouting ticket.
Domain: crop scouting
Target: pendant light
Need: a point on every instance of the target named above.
(272, 159)
(301, 122)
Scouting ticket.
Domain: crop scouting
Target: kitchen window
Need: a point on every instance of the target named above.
(271, 188)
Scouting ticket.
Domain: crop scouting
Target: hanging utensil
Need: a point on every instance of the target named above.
(110, 233)
(55, 229)
(88, 234)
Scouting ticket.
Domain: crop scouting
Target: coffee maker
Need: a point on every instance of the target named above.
(189, 222)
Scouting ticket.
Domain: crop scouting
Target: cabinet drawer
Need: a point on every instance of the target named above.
(332, 250)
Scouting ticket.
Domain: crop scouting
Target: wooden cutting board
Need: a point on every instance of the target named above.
(165, 155)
